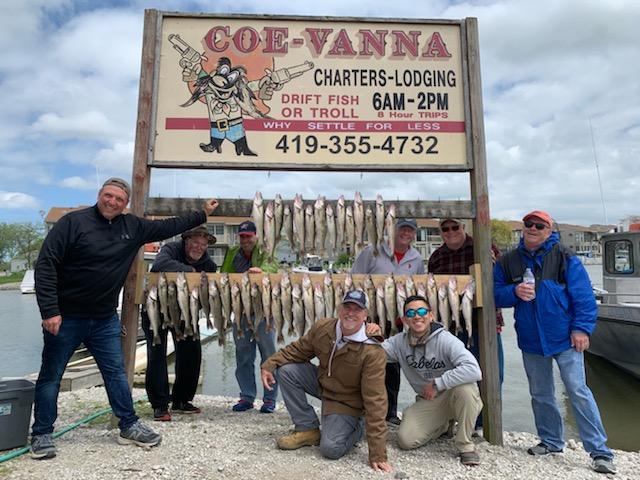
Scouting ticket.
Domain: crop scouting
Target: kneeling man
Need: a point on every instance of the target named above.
(349, 381)
(443, 373)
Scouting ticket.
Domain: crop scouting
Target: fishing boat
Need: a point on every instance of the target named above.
(617, 334)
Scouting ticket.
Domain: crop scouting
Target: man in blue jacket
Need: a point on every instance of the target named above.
(554, 319)
(80, 270)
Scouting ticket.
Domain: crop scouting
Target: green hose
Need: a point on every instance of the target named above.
(87, 419)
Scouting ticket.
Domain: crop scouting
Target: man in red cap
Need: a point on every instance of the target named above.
(554, 317)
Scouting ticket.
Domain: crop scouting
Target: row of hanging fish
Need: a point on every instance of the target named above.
(292, 308)
(323, 228)
(386, 301)
(171, 304)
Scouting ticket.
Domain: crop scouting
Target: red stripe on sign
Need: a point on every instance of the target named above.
(372, 126)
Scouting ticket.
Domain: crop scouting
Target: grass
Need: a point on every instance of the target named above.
(12, 278)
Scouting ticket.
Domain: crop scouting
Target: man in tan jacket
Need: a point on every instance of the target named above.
(349, 381)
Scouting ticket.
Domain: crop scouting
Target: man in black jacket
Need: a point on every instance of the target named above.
(188, 255)
(80, 271)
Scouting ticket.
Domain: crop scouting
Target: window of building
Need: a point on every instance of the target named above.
(618, 256)
(217, 229)
(217, 254)
(233, 234)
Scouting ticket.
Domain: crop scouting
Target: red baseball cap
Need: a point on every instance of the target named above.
(544, 216)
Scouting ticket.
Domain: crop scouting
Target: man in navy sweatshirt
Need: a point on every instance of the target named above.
(80, 271)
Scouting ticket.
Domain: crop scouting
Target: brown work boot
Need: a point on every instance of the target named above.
(297, 440)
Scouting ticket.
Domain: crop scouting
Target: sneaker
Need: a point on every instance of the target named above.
(470, 459)
(185, 407)
(242, 405)
(542, 449)
(394, 420)
(161, 414)
(42, 447)
(268, 406)
(296, 440)
(139, 434)
(603, 465)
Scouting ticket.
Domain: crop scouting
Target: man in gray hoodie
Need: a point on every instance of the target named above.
(443, 373)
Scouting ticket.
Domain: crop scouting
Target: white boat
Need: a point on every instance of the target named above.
(617, 334)
(28, 284)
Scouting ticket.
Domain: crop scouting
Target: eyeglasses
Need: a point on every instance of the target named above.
(539, 226)
(453, 228)
(422, 311)
(199, 244)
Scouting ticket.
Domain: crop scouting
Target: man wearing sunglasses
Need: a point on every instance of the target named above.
(554, 318)
(455, 257)
(443, 373)
(404, 260)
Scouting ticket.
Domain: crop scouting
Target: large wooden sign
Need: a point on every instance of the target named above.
(310, 93)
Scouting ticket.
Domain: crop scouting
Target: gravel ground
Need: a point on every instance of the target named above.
(220, 443)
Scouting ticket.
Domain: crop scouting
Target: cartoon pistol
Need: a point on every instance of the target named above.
(190, 57)
(284, 75)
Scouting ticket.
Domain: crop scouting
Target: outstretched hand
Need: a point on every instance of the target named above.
(210, 206)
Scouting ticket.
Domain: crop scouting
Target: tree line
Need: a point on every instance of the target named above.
(20, 240)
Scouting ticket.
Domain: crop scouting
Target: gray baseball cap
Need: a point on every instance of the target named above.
(355, 296)
(407, 222)
(120, 183)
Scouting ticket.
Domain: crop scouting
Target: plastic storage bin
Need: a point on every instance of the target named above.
(16, 401)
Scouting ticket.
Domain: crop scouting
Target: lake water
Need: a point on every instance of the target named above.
(615, 391)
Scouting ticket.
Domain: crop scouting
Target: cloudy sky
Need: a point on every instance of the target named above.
(552, 71)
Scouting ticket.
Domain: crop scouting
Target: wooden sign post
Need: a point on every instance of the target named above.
(324, 94)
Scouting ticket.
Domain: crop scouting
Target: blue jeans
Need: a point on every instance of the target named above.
(102, 339)
(246, 357)
(545, 408)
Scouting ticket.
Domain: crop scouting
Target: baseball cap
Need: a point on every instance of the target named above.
(120, 183)
(407, 222)
(355, 296)
(247, 228)
(544, 216)
(454, 220)
(200, 231)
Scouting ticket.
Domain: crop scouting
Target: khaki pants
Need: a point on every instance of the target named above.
(426, 420)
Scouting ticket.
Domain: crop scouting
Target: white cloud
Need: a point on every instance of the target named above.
(15, 200)
(115, 161)
(89, 124)
(70, 78)
(78, 183)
